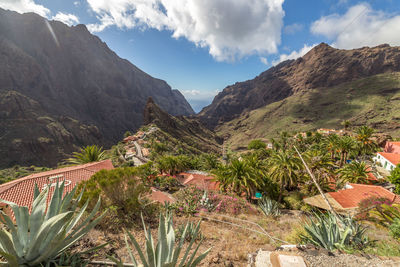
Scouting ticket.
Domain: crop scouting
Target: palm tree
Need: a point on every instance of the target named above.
(365, 143)
(239, 177)
(87, 154)
(284, 169)
(355, 172)
(321, 166)
(331, 144)
(345, 144)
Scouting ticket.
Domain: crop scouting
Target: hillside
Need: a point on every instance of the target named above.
(324, 67)
(372, 101)
(62, 87)
(187, 133)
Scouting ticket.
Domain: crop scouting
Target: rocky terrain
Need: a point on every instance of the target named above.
(52, 74)
(322, 68)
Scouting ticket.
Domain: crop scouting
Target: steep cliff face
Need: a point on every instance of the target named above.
(322, 67)
(69, 73)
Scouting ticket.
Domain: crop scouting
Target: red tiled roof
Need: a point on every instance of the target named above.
(392, 157)
(20, 191)
(349, 198)
(201, 181)
(160, 196)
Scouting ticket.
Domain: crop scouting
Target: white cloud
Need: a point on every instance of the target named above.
(294, 54)
(264, 60)
(77, 3)
(24, 6)
(68, 19)
(230, 29)
(293, 28)
(359, 26)
(191, 92)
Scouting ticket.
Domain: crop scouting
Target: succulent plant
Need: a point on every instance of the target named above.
(191, 233)
(269, 207)
(166, 252)
(49, 230)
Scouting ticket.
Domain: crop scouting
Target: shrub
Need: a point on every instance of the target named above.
(294, 201)
(191, 233)
(395, 228)
(385, 214)
(394, 178)
(167, 183)
(127, 133)
(123, 192)
(256, 144)
(370, 203)
(42, 236)
(331, 232)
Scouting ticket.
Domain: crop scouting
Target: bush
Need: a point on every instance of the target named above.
(294, 201)
(370, 203)
(167, 183)
(123, 192)
(394, 178)
(395, 228)
(256, 144)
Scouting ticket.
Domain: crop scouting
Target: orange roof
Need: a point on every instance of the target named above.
(349, 198)
(201, 181)
(159, 196)
(394, 143)
(20, 191)
(392, 157)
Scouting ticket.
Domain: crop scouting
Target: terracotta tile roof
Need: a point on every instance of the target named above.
(201, 181)
(20, 191)
(349, 198)
(159, 196)
(392, 157)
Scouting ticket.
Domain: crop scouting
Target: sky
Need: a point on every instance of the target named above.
(201, 46)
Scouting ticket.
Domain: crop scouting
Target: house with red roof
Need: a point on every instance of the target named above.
(198, 179)
(389, 161)
(20, 191)
(392, 147)
(346, 201)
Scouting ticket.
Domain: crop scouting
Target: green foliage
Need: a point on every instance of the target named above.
(166, 251)
(87, 154)
(331, 232)
(127, 133)
(385, 214)
(394, 178)
(294, 201)
(123, 192)
(366, 145)
(173, 164)
(9, 174)
(44, 234)
(345, 145)
(167, 183)
(269, 207)
(371, 203)
(395, 228)
(355, 172)
(256, 144)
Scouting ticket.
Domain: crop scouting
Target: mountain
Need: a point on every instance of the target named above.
(183, 132)
(323, 67)
(53, 74)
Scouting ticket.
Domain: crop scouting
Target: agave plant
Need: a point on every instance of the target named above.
(49, 230)
(335, 232)
(269, 207)
(166, 252)
(191, 232)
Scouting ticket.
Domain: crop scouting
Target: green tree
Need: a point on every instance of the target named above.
(87, 154)
(364, 142)
(331, 144)
(284, 169)
(345, 145)
(256, 144)
(355, 172)
(127, 133)
(346, 124)
(239, 177)
(394, 178)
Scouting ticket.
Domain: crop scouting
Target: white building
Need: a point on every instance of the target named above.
(389, 161)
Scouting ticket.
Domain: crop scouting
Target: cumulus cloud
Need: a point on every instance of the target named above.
(293, 28)
(294, 54)
(359, 26)
(68, 19)
(247, 27)
(24, 6)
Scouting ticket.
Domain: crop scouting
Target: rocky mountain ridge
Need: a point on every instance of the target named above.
(69, 73)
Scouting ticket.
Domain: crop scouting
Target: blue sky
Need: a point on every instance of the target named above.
(202, 46)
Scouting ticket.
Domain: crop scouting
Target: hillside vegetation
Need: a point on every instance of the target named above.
(373, 101)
